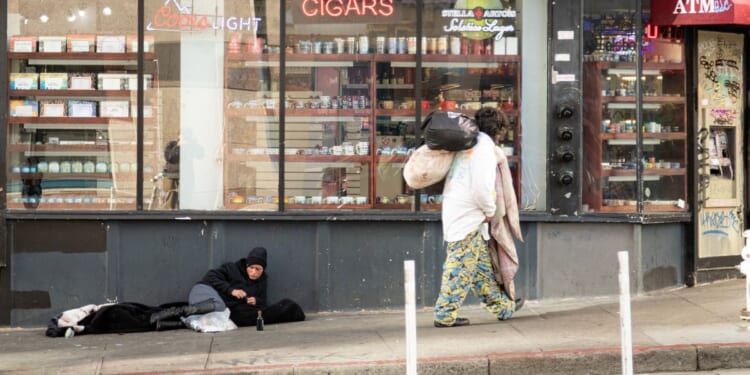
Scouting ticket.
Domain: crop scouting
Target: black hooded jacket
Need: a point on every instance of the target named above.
(232, 276)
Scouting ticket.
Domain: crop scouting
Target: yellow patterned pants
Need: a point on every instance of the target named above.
(468, 266)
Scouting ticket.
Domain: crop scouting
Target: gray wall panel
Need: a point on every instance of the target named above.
(663, 256)
(292, 249)
(158, 262)
(581, 259)
(71, 280)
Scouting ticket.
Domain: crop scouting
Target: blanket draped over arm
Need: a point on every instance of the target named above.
(505, 225)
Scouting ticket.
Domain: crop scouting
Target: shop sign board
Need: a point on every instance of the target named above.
(344, 11)
(178, 16)
(479, 19)
(700, 12)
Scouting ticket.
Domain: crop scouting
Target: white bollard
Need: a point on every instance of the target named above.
(410, 309)
(745, 269)
(625, 326)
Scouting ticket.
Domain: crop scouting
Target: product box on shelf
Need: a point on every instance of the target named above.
(122, 81)
(24, 81)
(112, 81)
(148, 43)
(23, 43)
(148, 111)
(24, 108)
(52, 108)
(114, 108)
(82, 108)
(52, 44)
(81, 43)
(110, 43)
(133, 81)
(82, 81)
(53, 81)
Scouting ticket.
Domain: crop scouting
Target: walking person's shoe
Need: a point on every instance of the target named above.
(458, 323)
(519, 304)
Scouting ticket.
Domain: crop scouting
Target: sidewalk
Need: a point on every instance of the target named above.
(680, 330)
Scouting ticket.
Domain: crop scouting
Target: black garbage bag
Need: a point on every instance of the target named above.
(451, 131)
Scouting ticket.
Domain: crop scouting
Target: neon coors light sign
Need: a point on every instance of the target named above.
(479, 19)
(181, 18)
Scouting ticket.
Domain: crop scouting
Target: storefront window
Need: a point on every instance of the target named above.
(72, 107)
(634, 128)
(222, 129)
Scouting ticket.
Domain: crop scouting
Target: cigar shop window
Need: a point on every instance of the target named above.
(215, 126)
(470, 59)
(634, 119)
(71, 129)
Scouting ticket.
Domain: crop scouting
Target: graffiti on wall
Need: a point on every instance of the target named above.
(723, 222)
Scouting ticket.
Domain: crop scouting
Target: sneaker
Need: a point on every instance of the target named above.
(519, 304)
(458, 323)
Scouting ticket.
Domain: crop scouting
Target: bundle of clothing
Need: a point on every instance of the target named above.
(124, 317)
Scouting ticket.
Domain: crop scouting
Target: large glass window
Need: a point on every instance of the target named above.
(72, 107)
(222, 128)
(634, 117)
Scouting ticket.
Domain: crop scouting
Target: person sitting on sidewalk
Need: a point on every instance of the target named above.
(242, 287)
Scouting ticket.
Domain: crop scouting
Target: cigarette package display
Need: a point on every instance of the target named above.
(148, 111)
(148, 43)
(112, 81)
(81, 108)
(114, 108)
(23, 43)
(24, 108)
(52, 108)
(133, 81)
(52, 44)
(53, 81)
(110, 44)
(81, 43)
(82, 81)
(24, 81)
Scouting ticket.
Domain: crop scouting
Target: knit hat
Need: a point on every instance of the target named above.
(257, 256)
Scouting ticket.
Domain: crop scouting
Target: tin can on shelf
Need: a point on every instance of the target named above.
(402, 45)
(364, 44)
(392, 45)
(351, 45)
(411, 45)
(380, 44)
(442, 45)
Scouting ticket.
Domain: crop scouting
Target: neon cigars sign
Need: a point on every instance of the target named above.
(478, 22)
(181, 18)
(346, 8)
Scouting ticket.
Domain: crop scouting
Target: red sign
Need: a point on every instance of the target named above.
(346, 8)
(700, 12)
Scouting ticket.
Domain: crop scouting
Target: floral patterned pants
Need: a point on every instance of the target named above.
(468, 266)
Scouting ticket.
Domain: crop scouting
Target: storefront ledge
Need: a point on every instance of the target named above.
(650, 218)
(372, 215)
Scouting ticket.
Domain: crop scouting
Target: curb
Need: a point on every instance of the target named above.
(698, 357)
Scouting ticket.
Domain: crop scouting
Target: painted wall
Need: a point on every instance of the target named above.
(323, 265)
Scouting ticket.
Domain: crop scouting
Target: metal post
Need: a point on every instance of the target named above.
(411, 318)
(625, 325)
(745, 269)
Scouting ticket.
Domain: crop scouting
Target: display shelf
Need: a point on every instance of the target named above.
(610, 111)
(79, 58)
(73, 176)
(42, 139)
(251, 129)
(75, 120)
(71, 93)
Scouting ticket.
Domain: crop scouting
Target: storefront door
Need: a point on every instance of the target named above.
(719, 124)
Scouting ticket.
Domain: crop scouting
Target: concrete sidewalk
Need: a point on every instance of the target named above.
(680, 330)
